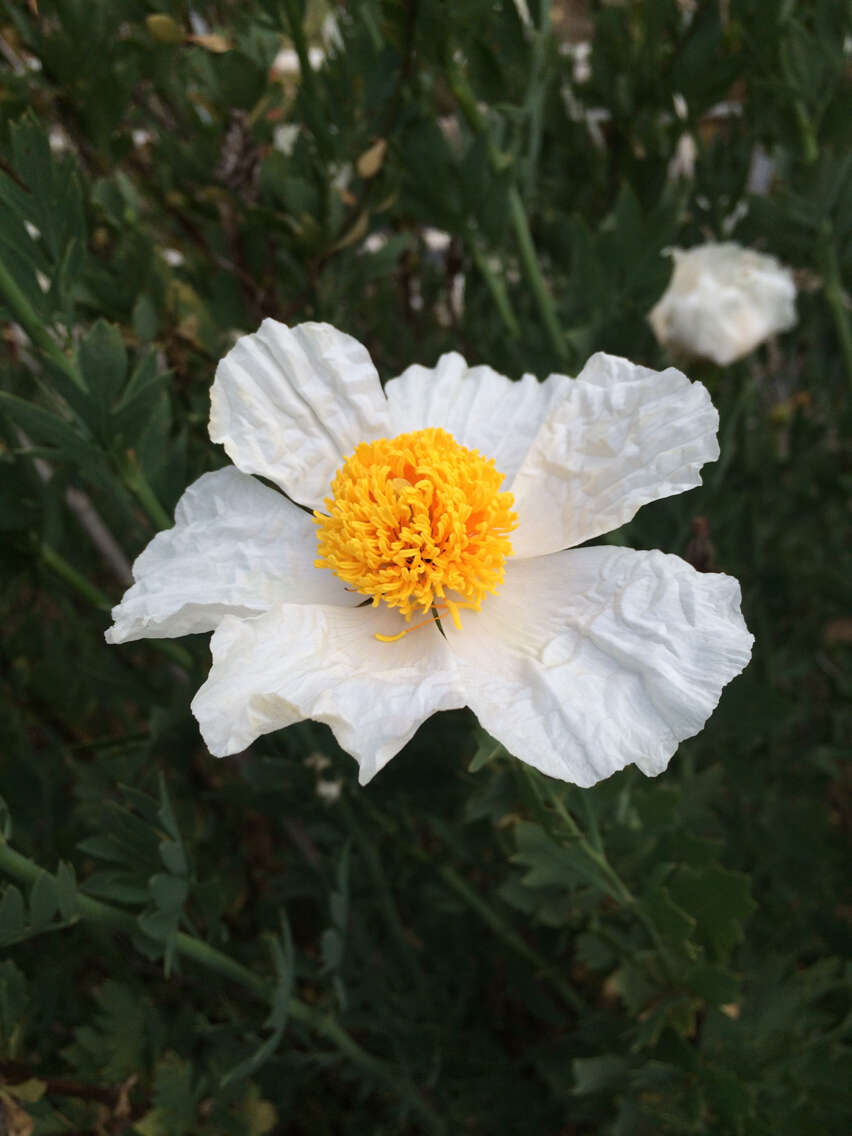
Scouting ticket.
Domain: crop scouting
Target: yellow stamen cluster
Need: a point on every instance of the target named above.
(416, 517)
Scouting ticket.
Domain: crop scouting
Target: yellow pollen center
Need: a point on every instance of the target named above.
(418, 522)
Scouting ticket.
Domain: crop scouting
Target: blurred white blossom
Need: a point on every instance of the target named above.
(285, 137)
(722, 301)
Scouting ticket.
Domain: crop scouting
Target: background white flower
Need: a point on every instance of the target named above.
(583, 661)
(723, 300)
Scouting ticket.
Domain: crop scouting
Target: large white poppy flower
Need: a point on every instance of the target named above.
(454, 493)
(723, 300)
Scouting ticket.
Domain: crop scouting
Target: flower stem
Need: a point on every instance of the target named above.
(209, 958)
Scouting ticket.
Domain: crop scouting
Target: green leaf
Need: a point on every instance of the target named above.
(168, 892)
(719, 900)
(44, 901)
(487, 750)
(5, 820)
(331, 945)
(175, 1096)
(116, 1042)
(105, 848)
(14, 997)
(48, 429)
(118, 886)
(714, 984)
(171, 851)
(673, 923)
(728, 1096)
(66, 890)
(103, 361)
(556, 865)
(12, 915)
(598, 1074)
(145, 389)
(53, 202)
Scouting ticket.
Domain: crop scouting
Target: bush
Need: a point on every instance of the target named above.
(258, 944)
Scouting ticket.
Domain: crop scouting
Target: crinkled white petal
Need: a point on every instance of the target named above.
(324, 663)
(723, 300)
(482, 410)
(237, 547)
(591, 659)
(618, 437)
(291, 403)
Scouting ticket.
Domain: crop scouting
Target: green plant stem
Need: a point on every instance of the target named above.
(486, 912)
(617, 889)
(810, 145)
(67, 572)
(497, 289)
(517, 213)
(537, 93)
(58, 564)
(138, 484)
(532, 268)
(91, 910)
(834, 293)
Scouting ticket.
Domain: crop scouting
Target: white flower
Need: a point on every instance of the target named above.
(286, 136)
(455, 492)
(722, 301)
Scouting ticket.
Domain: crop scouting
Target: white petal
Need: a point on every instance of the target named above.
(594, 658)
(619, 437)
(324, 663)
(292, 403)
(481, 409)
(237, 548)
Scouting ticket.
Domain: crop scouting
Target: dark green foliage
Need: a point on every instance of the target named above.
(205, 948)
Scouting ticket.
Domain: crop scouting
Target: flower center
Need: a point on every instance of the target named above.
(418, 522)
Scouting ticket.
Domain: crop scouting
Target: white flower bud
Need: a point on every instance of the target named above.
(722, 301)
